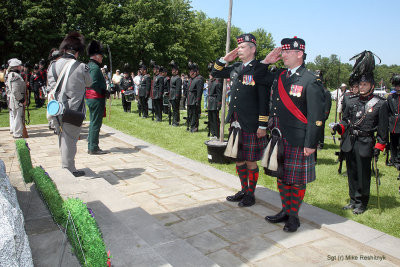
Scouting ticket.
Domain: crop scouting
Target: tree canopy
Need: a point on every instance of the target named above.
(134, 29)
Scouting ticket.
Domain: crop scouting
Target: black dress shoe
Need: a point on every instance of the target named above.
(247, 201)
(236, 197)
(78, 173)
(280, 217)
(359, 210)
(292, 224)
(349, 207)
(97, 152)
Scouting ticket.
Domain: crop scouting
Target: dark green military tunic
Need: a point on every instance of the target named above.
(96, 104)
(359, 123)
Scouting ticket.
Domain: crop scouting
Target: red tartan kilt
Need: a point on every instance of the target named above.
(298, 168)
(253, 147)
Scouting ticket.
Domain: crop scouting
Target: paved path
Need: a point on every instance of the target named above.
(187, 200)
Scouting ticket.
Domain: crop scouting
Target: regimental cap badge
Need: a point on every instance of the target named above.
(295, 44)
(246, 38)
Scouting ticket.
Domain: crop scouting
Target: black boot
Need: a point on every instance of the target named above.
(247, 201)
(236, 197)
(292, 224)
(349, 206)
(280, 217)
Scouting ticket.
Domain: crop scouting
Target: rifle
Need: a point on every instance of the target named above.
(109, 102)
(378, 181)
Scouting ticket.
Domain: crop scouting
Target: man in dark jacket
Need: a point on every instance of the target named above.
(144, 91)
(394, 121)
(126, 86)
(175, 92)
(96, 97)
(297, 111)
(195, 91)
(214, 104)
(157, 92)
(248, 113)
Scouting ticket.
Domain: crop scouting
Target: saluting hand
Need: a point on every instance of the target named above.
(273, 56)
(231, 55)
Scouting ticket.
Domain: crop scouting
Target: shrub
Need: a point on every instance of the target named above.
(88, 232)
(49, 192)
(24, 157)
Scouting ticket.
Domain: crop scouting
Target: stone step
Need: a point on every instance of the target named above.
(133, 236)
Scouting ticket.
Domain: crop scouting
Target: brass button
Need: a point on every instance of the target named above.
(235, 97)
(274, 114)
(274, 107)
(277, 99)
(237, 89)
(234, 106)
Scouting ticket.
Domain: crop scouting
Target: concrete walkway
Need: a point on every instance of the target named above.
(174, 211)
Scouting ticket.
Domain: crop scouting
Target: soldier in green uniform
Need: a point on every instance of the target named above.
(144, 91)
(214, 103)
(195, 90)
(175, 92)
(364, 115)
(297, 112)
(96, 96)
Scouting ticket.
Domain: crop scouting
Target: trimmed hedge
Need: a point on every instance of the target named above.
(24, 157)
(88, 232)
(50, 194)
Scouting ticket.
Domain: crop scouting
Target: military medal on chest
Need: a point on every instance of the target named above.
(248, 80)
(295, 90)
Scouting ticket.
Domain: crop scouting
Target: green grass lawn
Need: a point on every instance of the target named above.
(329, 191)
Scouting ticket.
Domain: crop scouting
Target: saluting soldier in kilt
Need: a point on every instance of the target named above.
(248, 109)
(297, 110)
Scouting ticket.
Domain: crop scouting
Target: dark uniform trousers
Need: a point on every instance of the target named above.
(144, 106)
(158, 109)
(193, 116)
(213, 122)
(394, 148)
(175, 111)
(96, 109)
(358, 143)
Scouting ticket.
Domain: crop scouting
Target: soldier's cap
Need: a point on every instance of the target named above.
(293, 44)
(173, 65)
(157, 67)
(210, 66)
(117, 71)
(395, 80)
(14, 62)
(246, 37)
(73, 41)
(95, 48)
(193, 66)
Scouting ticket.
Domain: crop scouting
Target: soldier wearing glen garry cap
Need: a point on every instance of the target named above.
(248, 114)
(296, 113)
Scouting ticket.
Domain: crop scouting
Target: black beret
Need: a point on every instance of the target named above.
(246, 37)
(293, 44)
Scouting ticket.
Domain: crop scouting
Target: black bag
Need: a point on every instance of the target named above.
(73, 117)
